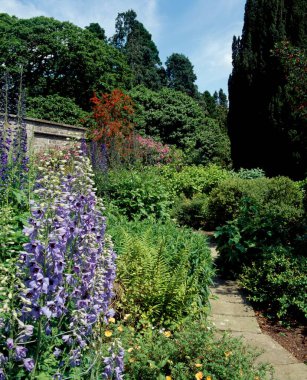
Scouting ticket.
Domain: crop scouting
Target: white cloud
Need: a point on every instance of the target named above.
(20, 8)
(83, 12)
(212, 58)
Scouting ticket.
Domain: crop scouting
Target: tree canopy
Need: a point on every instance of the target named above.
(175, 118)
(141, 53)
(180, 74)
(60, 58)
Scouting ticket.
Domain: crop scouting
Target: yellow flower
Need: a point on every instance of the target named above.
(126, 316)
(227, 354)
(112, 320)
(120, 328)
(199, 376)
(108, 333)
(208, 378)
(257, 378)
(168, 378)
(198, 365)
(130, 349)
(167, 334)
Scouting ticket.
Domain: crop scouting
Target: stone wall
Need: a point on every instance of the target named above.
(44, 134)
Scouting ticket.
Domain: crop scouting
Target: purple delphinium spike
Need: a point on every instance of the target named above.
(83, 146)
(114, 363)
(98, 155)
(68, 265)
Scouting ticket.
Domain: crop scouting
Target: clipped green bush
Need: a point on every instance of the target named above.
(163, 272)
(224, 199)
(191, 212)
(277, 279)
(280, 194)
(137, 194)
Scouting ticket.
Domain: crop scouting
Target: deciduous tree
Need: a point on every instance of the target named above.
(60, 58)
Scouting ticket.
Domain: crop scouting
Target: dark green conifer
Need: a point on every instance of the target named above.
(136, 43)
(263, 129)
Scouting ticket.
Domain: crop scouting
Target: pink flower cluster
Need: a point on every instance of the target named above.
(153, 151)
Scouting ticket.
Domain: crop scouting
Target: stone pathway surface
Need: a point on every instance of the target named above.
(231, 312)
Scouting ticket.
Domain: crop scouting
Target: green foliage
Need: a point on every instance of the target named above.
(190, 349)
(225, 198)
(55, 108)
(97, 30)
(176, 118)
(267, 238)
(137, 194)
(191, 212)
(141, 53)
(60, 58)
(209, 144)
(190, 180)
(163, 272)
(277, 279)
(215, 106)
(180, 74)
(169, 115)
(249, 173)
(11, 236)
(262, 211)
(280, 193)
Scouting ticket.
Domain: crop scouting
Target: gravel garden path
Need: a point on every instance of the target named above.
(231, 312)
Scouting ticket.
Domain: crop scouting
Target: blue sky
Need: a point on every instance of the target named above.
(200, 29)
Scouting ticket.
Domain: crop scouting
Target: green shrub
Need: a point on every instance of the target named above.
(277, 279)
(191, 212)
(224, 199)
(190, 180)
(277, 220)
(137, 194)
(260, 235)
(280, 194)
(249, 173)
(163, 272)
(209, 144)
(191, 349)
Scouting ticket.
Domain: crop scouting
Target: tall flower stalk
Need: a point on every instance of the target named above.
(13, 139)
(68, 270)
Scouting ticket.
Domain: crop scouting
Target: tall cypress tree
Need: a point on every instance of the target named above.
(263, 129)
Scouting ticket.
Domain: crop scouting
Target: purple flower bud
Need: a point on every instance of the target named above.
(28, 364)
(3, 359)
(20, 352)
(2, 376)
(10, 343)
(29, 330)
(57, 352)
(67, 339)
